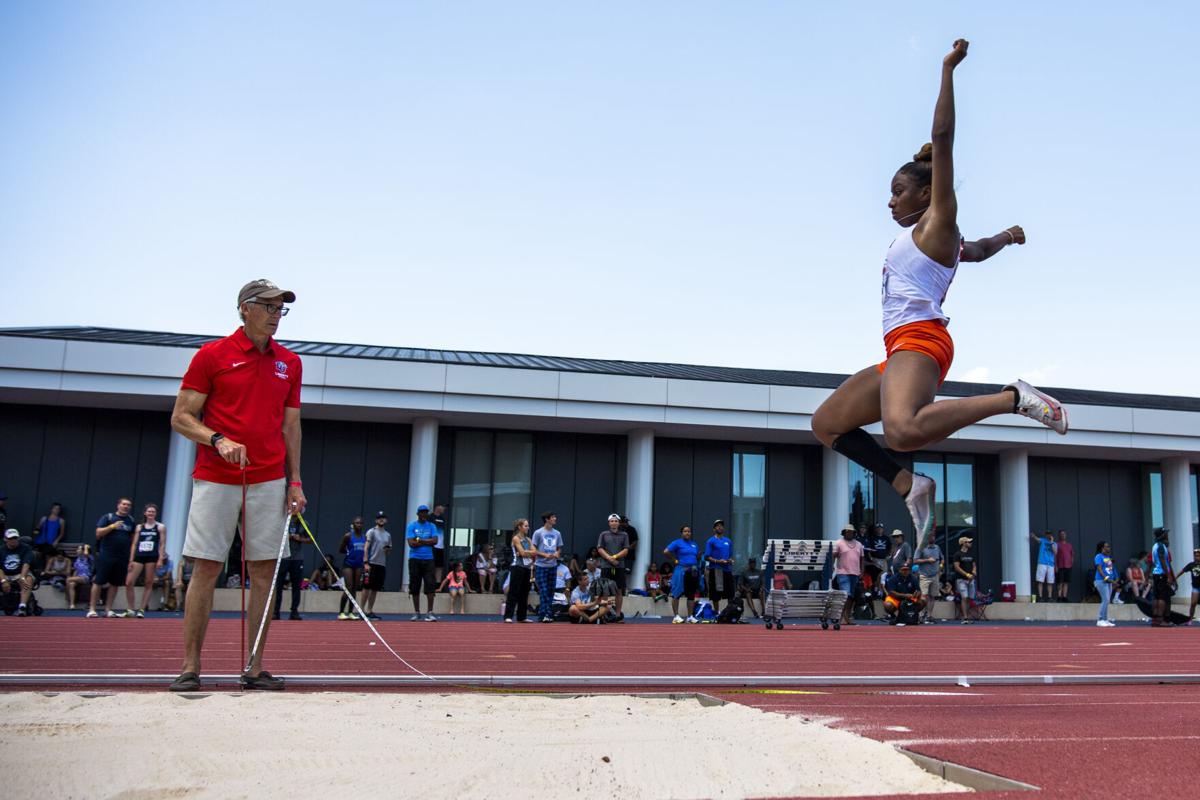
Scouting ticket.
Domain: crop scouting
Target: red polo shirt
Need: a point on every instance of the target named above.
(247, 393)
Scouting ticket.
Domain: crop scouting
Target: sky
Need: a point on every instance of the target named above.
(693, 182)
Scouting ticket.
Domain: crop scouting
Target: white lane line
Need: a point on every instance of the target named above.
(1012, 739)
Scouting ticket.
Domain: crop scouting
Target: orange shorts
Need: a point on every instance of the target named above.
(927, 336)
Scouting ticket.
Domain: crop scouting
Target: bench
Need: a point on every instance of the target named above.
(801, 554)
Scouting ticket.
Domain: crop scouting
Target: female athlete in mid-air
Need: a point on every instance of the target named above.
(917, 271)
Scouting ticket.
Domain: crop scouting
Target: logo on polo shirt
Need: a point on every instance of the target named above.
(281, 370)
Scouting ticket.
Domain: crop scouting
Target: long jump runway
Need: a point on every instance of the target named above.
(59, 651)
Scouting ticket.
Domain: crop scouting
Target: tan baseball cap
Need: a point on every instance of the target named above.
(966, 539)
(263, 289)
(897, 532)
(848, 528)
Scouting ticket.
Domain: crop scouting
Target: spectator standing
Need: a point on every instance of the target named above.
(902, 593)
(750, 586)
(1193, 568)
(548, 542)
(421, 536)
(114, 534)
(902, 552)
(520, 575)
(146, 554)
(928, 561)
(613, 548)
(718, 558)
(291, 569)
(1064, 561)
(1047, 550)
(378, 546)
(963, 564)
(848, 565)
(632, 533)
(50, 529)
(685, 573)
(876, 545)
(438, 518)
(353, 546)
(1106, 577)
(17, 569)
(247, 389)
(1162, 579)
(81, 574)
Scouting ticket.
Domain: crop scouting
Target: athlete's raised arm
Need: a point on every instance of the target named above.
(983, 249)
(937, 232)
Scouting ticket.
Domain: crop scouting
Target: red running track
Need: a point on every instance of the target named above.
(1076, 742)
(68, 645)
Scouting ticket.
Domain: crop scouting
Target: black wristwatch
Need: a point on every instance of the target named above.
(216, 437)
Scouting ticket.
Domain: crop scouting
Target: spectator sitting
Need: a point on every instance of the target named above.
(903, 594)
(575, 565)
(163, 577)
(57, 568)
(564, 580)
(654, 583)
(750, 587)
(605, 591)
(322, 577)
(18, 565)
(485, 568)
(781, 580)
(81, 575)
(583, 607)
(592, 569)
(183, 579)
(1135, 578)
(455, 582)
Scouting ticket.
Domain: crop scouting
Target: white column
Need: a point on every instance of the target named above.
(639, 500)
(1014, 519)
(1177, 516)
(177, 492)
(835, 493)
(422, 470)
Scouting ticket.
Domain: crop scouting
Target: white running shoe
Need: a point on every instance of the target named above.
(507, 620)
(430, 617)
(920, 501)
(1039, 406)
(692, 620)
(677, 621)
(413, 618)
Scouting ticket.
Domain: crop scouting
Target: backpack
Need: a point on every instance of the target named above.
(909, 614)
(732, 613)
(704, 611)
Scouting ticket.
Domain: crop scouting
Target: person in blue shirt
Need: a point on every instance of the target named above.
(1161, 577)
(718, 559)
(548, 543)
(421, 536)
(1106, 577)
(1045, 564)
(354, 542)
(685, 578)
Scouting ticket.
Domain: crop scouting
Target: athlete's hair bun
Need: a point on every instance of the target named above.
(925, 153)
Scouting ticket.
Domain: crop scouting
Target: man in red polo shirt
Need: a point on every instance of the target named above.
(240, 402)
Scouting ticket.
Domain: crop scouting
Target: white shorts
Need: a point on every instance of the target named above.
(1045, 573)
(215, 512)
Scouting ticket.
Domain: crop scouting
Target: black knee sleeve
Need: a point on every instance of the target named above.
(861, 448)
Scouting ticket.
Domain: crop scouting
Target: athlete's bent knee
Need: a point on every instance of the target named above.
(903, 437)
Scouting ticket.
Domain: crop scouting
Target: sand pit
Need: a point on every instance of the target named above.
(432, 746)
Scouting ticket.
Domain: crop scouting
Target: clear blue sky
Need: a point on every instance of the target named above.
(698, 182)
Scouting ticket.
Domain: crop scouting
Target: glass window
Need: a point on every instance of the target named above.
(749, 523)
(862, 495)
(1156, 499)
(511, 480)
(955, 507)
(472, 481)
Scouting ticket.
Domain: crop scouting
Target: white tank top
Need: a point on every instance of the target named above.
(914, 285)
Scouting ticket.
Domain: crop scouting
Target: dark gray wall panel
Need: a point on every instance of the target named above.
(1095, 522)
(987, 520)
(443, 474)
(1126, 502)
(66, 465)
(595, 484)
(672, 491)
(385, 488)
(1038, 519)
(22, 434)
(712, 482)
(812, 493)
(554, 482)
(152, 460)
(785, 491)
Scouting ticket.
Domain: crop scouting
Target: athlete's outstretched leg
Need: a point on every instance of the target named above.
(911, 418)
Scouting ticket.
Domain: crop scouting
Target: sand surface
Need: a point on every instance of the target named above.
(429, 746)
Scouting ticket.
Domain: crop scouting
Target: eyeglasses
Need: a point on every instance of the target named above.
(272, 309)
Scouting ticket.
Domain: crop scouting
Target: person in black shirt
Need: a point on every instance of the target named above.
(1194, 569)
(18, 561)
(114, 537)
(963, 564)
(632, 533)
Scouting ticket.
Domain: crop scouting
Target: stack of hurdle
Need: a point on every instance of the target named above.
(804, 556)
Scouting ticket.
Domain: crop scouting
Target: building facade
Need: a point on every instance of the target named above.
(84, 419)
